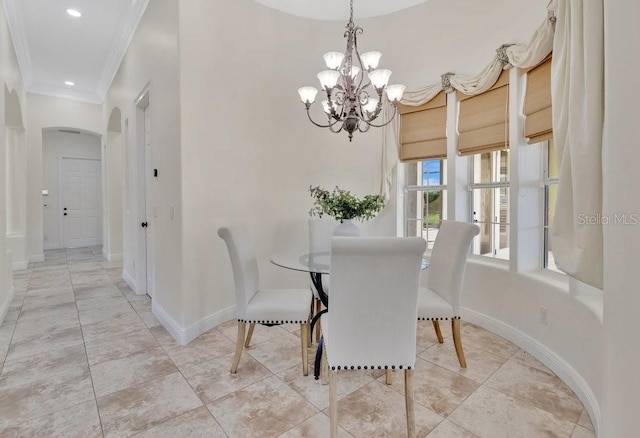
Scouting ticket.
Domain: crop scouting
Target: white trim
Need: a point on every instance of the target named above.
(4, 308)
(185, 335)
(557, 364)
(128, 278)
(111, 257)
(20, 265)
(36, 258)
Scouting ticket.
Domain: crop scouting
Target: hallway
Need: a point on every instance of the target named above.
(83, 356)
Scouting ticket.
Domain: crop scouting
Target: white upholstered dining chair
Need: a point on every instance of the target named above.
(440, 300)
(372, 318)
(262, 306)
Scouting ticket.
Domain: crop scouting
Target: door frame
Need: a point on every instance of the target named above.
(60, 191)
(144, 260)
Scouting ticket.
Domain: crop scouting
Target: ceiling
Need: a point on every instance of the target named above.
(339, 9)
(53, 47)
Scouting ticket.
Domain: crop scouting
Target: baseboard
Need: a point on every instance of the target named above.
(4, 307)
(36, 258)
(555, 363)
(128, 278)
(185, 335)
(114, 257)
(21, 265)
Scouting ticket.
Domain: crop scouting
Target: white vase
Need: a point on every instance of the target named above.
(347, 229)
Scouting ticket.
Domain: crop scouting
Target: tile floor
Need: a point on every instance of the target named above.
(83, 356)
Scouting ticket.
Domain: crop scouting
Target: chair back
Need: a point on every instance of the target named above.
(243, 263)
(373, 303)
(321, 232)
(448, 260)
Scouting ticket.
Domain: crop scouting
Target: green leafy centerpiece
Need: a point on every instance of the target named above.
(344, 206)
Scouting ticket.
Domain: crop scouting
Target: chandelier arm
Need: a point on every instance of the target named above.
(355, 48)
(338, 130)
(395, 110)
(318, 124)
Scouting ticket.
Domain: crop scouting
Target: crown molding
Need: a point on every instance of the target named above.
(19, 37)
(125, 35)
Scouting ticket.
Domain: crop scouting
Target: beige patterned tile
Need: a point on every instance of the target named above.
(57, 310)
(278, 354)
(85, 267)
(136, 368)
(490, 413)
(376, 410)
(44, 325)
(317, 393)
(541, 388)
(482, 339)
(585, 421)
(116, 347)
(35, 399)
(194, 424)
(148, 318)
(143, 406)
(206, 347)
(85, 292)
(49, 341)
(11, 316)
(43, 303)
(213, 379)
(435, 387)
(79, 421)
(582, 432)
(111, 327)
(118, 311)
(252, 411)
(38, 366)
(260, 334)
(447, 429)
(426, 336)
(480, 364)
(48, 292)
(316, 426)
(100, 302)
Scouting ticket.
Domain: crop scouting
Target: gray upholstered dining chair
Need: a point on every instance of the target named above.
(440, 300)
(262, 306)
(372, 318)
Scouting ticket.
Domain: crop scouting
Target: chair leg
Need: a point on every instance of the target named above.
(409, 403)
(333, 402)
(304, 340)
(436, 326)
(239, 346)
(324, 366)
(388, 375)
(457, 341)
(247, 341)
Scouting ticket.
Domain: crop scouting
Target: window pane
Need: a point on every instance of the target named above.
(491, 167)
(491, 213)
(424, 214)
(551, 193)
(433, 173)
(552, 162)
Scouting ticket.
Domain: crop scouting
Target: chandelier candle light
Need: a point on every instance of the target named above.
(353, 100)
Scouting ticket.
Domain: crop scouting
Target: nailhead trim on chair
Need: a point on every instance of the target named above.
(438, 319)
(380, 367)
(247, 321)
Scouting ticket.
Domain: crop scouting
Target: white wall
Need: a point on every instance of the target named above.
(49, 112)
(11, 79)
(250, 154)
(151, 62)
(621, 242)
(55, 145)
(114, 172)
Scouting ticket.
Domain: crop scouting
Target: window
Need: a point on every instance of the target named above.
(426, 203)
(490, 202)
(550, 185)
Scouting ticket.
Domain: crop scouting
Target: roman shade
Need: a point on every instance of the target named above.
(483, 119)
(423, 130)
(537, 104)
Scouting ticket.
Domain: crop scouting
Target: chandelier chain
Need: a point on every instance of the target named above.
(351, 12)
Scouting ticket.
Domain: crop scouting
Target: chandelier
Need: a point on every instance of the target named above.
(356, 88)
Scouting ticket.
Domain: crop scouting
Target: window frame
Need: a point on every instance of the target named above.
(546, 182)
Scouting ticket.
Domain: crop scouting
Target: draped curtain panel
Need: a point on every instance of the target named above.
(577, 89)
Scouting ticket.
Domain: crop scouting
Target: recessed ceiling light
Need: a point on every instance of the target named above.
(69, 83)
(74, 13)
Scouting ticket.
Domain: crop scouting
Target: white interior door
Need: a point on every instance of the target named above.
(81, 202)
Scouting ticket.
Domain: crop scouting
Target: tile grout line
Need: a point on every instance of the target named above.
(15, 324)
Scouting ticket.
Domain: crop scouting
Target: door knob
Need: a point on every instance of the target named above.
(144, 225)
(65, 214)
(65, 209)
